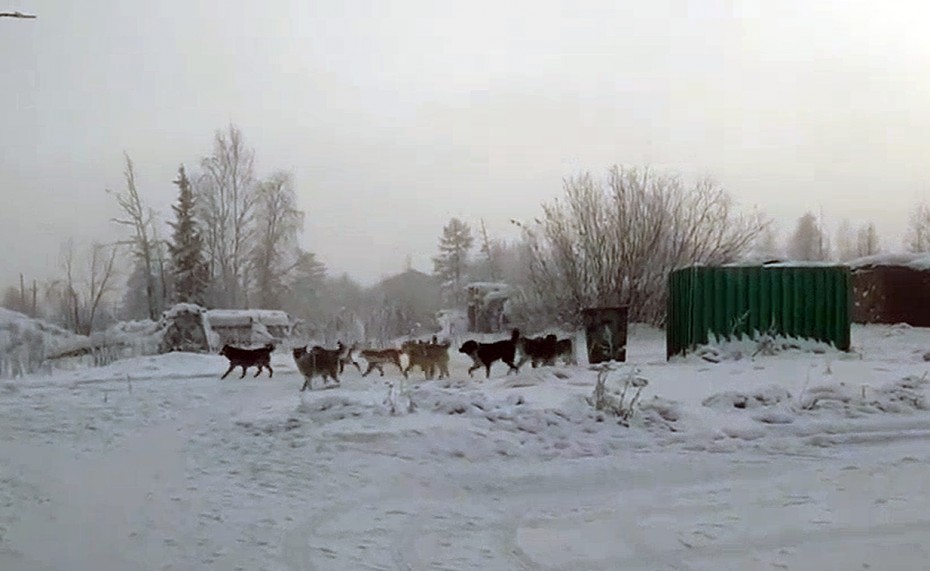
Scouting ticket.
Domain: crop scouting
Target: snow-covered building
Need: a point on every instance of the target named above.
(244, 327)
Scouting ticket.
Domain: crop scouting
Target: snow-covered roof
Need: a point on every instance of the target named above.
(244, 317)
(488, 285)
(179, 308)
(804, 264)
(920, 261)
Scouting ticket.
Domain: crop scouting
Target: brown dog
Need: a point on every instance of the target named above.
(246, 358)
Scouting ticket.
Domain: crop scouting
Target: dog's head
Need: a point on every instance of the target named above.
(299, 352)
(469, 347)
(225, 350)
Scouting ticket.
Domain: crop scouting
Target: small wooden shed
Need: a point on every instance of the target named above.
(892, 288)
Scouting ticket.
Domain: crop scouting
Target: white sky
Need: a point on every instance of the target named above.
(395, 116)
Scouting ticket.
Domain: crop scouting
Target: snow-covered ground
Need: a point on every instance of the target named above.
(792, 461)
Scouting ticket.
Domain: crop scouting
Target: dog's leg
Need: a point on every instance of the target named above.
(243, 371)
(369, 369)
(258, 372)
(487, 371)
(229, 370)
(306, 384)
(357, 366)
(270, 371)
(380, 370)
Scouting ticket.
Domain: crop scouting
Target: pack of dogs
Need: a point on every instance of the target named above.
(432, 357)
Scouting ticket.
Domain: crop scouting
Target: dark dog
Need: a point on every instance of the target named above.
(246, 358)
(566, 349)
(484, 354)
(318, 361)
(539, 350)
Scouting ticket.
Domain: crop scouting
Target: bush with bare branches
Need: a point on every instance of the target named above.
(614, 242)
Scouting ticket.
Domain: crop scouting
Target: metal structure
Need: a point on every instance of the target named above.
(605, 333)
(804, 301)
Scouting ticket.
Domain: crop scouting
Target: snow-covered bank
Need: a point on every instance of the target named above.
(798, 460)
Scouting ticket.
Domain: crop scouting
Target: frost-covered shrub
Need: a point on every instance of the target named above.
(614, 400)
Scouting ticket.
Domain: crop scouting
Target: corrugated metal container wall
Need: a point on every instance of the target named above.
(806, 302)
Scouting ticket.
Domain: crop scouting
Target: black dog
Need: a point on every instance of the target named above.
(539, 350)
(246, 358)
(484, 354)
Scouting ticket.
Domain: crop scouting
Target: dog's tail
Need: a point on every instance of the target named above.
(515, 335)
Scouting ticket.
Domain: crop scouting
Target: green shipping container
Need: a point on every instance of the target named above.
(798, 301)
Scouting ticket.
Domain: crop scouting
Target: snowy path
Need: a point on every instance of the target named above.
(667, 511)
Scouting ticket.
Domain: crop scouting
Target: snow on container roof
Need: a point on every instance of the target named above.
(244, 317)
(488, 285)
(919, 261)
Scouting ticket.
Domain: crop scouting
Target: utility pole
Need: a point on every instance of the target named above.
(18, 15)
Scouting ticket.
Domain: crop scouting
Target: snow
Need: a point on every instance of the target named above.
(797, 460)
(241, 317)
(919, 261)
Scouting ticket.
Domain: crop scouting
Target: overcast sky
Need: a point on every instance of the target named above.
(396, 116)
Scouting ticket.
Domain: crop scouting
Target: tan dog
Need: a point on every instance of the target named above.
(377, 358)
(428, 356)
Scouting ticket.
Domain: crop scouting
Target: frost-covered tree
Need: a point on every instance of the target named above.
(615, 242)
(81, 294)
(278, 222)
(490, 251)
(846, 242)
(226, 207)
(139, 219)
(917, 238)
(451, 265)
(808, 242)
(867, 242)
(188, 266)
(305, 291)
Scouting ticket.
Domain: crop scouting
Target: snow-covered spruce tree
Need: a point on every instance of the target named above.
(451, 265)
(186, 246)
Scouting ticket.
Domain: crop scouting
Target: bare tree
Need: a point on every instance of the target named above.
(278, 222)
(616, 242)
(79, 298)
(917, 238)
(490, 254)
(226, 202)
(143, 242)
